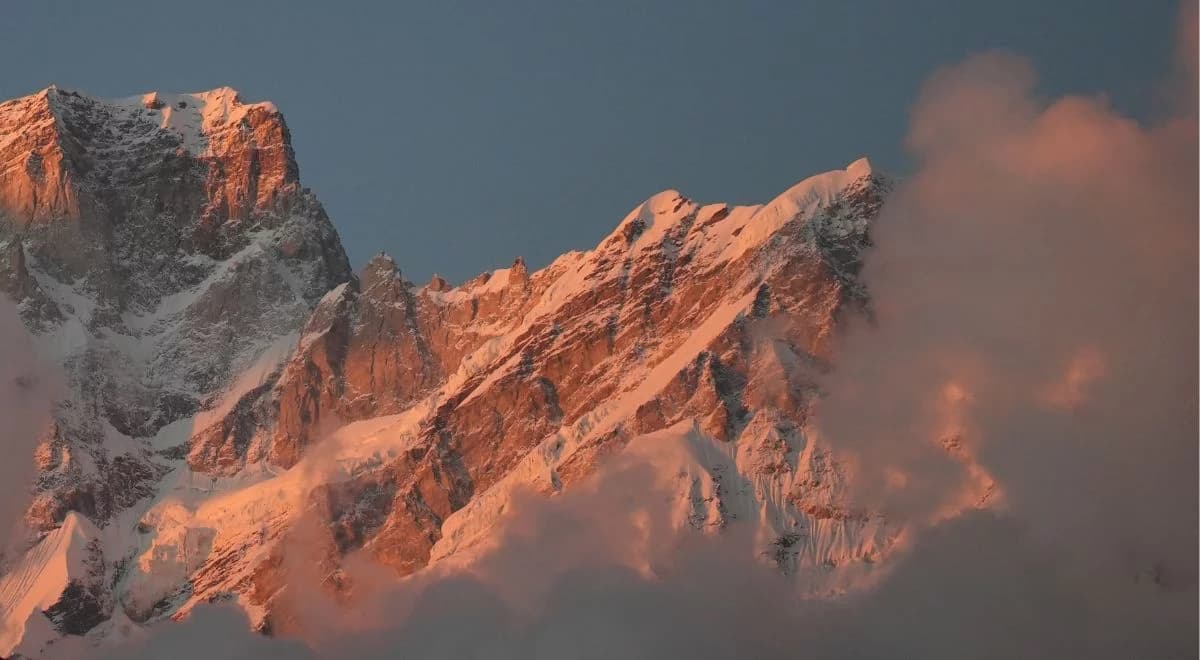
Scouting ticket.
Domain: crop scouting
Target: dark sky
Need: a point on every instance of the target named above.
(457, 135)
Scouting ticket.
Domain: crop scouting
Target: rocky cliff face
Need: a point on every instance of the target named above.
(711, 316)
(229, 377)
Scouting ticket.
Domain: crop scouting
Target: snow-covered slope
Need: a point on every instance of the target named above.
(56, 576)
(229, 378)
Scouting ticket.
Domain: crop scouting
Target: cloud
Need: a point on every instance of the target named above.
(971, 587)
(1035, 311)
(598, 572)
(213, 631)
(1035, 301)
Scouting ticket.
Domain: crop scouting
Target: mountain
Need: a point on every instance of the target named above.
(227, 375)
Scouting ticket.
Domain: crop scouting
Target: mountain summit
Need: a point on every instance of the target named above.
(155, 252)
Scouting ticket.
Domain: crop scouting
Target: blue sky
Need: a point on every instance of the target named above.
(457, 135)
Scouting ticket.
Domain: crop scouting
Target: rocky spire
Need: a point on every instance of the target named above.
(518, 274)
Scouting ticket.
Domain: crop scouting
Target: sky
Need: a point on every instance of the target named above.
(458, 135)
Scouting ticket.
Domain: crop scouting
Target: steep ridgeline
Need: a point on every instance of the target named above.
(408, 414)
(157, 247)
(229, 378)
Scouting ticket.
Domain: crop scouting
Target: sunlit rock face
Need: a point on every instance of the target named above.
(235, 391)
(716, 316)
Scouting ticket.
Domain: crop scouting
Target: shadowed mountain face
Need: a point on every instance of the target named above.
(228, 376)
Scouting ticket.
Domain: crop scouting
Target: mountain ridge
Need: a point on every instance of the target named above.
(400, 416)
